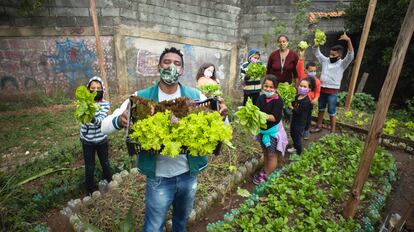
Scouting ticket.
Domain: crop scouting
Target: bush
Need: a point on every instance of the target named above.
(360, 101)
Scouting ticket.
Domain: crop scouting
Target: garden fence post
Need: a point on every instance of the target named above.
(92, 6)
(360, 54)
(383, 104)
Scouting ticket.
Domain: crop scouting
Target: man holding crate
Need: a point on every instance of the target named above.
(170, 181)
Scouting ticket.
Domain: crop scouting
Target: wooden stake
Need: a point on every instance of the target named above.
(360, 54)
(98, 46)
(383, 104)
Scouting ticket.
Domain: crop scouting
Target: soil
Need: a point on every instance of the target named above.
(399, 200)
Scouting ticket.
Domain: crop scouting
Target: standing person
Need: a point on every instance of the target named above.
(282, 62)
(315, 86)
(273, 140)
(301, 106)
(207, 75)
(251, 88)
(170, 181)
(333, 68)
(93, 140)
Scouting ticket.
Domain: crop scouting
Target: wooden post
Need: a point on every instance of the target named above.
(383, 104)
(360, 54)
(361, 84)
(402, 220)
(98, 46)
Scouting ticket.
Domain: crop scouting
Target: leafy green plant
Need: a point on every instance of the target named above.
(251, 118)
(303, 45)
(256, 71)
(287, 92)
(85, 105)
(390, 126)
(210, 90)
(360, 101)
(320, 37)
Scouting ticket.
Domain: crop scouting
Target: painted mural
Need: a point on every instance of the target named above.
(52, 63)
(142, 56)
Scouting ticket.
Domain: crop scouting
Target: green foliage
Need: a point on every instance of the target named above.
(198, 132)
(27, 7)
(390, 126)
(210, 90)
(251, 118)
(303, 45)
(85, 105)
(320, 37)
(307, 196)
(287, 92)
(256, 71)
(386, 25)
(360, 101)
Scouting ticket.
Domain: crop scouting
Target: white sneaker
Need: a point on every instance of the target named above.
(291, 150)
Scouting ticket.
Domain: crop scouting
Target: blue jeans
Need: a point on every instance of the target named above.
(329, 99)
(161, 193)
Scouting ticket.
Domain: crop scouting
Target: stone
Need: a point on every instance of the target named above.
(96, 195)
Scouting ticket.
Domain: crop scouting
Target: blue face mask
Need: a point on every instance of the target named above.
(269, 94)
(312, 74)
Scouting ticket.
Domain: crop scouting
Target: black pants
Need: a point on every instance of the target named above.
(253, 96)
(89, 150)
(309, 118)
(296, 132)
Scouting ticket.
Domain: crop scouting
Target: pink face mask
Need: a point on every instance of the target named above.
(303, 91)
(254, 60)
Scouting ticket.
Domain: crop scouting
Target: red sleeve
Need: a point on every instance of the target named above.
(317, 88)
(300, 69)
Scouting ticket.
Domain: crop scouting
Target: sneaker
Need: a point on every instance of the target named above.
(260, 178)
(291, 150)
(306, 135)
(261, 173)
(316, 129)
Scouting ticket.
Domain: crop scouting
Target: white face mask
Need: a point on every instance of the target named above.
(208, 73)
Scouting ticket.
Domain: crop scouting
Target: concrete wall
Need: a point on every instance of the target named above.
(134, 34)
(51, 62)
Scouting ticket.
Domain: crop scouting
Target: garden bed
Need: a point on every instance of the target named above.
(306, 196)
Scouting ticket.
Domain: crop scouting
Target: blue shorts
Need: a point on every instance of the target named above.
(329, 99)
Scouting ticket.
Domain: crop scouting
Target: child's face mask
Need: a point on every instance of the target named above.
(254, 60)
(268, 93)
(99, 94)
(170, 75)
(208, 73)
(303, 91)
(312, 74)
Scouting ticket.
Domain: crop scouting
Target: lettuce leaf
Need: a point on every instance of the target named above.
(85, 105)
(251, 118)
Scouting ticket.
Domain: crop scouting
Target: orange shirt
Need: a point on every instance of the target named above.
(300, 69)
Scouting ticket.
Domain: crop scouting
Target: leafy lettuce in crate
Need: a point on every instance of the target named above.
(210, 90)
(85, 105)
(256, 71)
(251, 118)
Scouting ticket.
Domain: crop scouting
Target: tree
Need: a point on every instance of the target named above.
(385, 27)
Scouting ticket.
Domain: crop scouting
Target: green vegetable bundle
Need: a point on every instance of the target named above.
(287, 92)
(251, 118)
(85, 105)
(199, 132)
(210, 90)
(303, 45)
(320, 37)
(256, 71)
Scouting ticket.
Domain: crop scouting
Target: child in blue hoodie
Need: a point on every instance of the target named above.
(251, 88)
(93, 140)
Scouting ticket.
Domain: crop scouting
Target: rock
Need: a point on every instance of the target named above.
(87, 200)
(124, 173)
(402, 145)
(27, 152)
(243, 170)
(113, 185)
(133, 170)
(117, 177)
(96, 195)
(74, 219)
(192, 216)
(238, 176)
(249, 167)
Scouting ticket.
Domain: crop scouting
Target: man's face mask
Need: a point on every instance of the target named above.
(170, 75)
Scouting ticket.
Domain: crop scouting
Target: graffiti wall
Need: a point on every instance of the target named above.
(142, 61)
(52, 63)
